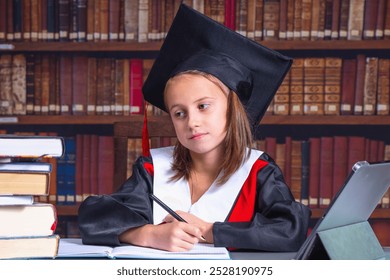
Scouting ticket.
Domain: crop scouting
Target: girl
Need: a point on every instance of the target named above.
(228, 193)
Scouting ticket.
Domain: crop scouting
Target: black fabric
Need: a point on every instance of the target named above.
(196, 42)
(279, 223)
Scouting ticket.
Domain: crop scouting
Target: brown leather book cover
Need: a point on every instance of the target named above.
(106, 165)
(315, 19)
(96, 21)
(369, 19)
(113, 20)
(340, 168)
(242, 16)
(387, 21)
(118, 84)
(3, 21)
(290, 19)
(54, 95)
(104, 18)
(45, 84)
(335, 28)
(297, 19)
(328, 19)
(10, 20)
(383, 87)
(296, 169)
(356, 150)
(348, 86)
(19, 84)
(169, 14)
(63, 19)
(90, 21)
(92, 86)
(314, 172)
(81, 17)
(79, 84)
(131, 20)
(296, 87)
(143, 20)
(359, 84)
(283, 20)
(326, 171)
(66, 84)
(126, 87)
(287, 160)
(94, 162)
(280, 157)
(43, 28)
(344, 18)
(356, 19)
(85, 187)
(306, 19)
(26, 16)
(270, 146)
(385, 202)
(38, 84)
(282, 97)
(333, 68)
(271, 19)
(380, 19)
(6, 84)
(30, 60)
(313, 89)
(251, 18)
(370, 86)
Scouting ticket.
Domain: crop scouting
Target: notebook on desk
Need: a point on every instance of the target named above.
(343, 232)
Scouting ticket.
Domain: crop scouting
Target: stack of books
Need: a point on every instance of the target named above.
(27, 227)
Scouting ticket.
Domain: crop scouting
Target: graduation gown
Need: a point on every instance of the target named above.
(261, 215)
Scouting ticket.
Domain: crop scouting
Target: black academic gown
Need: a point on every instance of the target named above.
(264, 217)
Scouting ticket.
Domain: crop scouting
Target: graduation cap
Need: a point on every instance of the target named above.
(196, 42)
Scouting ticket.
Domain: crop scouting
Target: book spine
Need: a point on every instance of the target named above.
(3, 21)
(296, 169)
(143, 19)
(283, 20)
(340, 168)
(314, 86)
(45, 84)
(296, 86)
(113, 22)
(344, 18)
(386, 28)
(326, 171)
(297, 19)
(92, 86)
(63, 19)
(19, 84)
(328, 19)
(383, 87)
(290, 20)
(6, 84)
(282, 97)
(81, 12)
(79, 84)
(336, 15)
(306, 19)
(30, 84)
(359, 84)
(314, 172)
(38, 84)
(370, 86)
(66, 84)
(251, 18)
(305, 172)
(348, 87)
(369, 19)
(380, 19)
(136, 82)
(131, 19)
(271, 19)
(119, 84)
(356, 19)
(104, 19)
(315, 20)
(241, 16)
(333, 66)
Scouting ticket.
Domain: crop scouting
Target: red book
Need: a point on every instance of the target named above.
(326, 171)
(348, 86)
(79, 173)
(370, 18)
(3, 20)
(356, 150)
(94, 163)
(106, 165)
(270, 147)
(340, 171)
(287, 160)
(86, 166)
(66, 84)
(136, 82)
(359, 86)
(80, 85)
(314, 172)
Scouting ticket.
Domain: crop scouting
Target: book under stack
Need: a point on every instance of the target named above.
(27, 227)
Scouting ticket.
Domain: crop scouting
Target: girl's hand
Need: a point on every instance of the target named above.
(170, 236)
(205, 227)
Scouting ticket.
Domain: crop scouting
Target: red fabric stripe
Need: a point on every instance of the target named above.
(243, 210)
(145, 134)
(149, 167)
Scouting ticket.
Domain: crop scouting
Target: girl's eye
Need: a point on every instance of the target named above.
(203, 106)
(179, 114)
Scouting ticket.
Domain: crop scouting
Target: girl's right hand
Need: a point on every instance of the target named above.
(171, 236)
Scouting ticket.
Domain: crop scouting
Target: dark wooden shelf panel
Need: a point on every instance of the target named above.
(138, 119)
(67, 210)
(155, 46)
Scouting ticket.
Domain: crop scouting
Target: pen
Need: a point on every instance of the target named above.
(169, 210)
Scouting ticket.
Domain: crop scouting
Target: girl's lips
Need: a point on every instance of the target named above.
(197, 136)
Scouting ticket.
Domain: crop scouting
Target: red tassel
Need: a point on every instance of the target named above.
(145, 134)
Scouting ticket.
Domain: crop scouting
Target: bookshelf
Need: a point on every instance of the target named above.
(272, 124)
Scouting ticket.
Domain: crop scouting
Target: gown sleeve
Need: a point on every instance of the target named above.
(279, 223)
(103, 218)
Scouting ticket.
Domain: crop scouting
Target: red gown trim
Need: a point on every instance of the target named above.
(244, 207)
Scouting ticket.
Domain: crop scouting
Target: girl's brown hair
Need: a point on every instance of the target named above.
(238, 138)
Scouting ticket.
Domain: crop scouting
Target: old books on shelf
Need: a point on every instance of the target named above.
(28, 227)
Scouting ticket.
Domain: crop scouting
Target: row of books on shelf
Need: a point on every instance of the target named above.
(39, 84)
(316, 168)
(334, 86)
(80, 85)
(147, 20)
(28, 227)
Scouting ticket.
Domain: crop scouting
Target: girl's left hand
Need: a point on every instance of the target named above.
(206, 227)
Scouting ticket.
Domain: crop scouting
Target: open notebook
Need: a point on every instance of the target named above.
(73, 248)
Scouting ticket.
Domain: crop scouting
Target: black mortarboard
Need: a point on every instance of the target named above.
(196, 42)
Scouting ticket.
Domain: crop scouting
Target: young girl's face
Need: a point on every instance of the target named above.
(198, 108)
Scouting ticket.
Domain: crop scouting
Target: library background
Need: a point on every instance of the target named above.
(75, 68)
